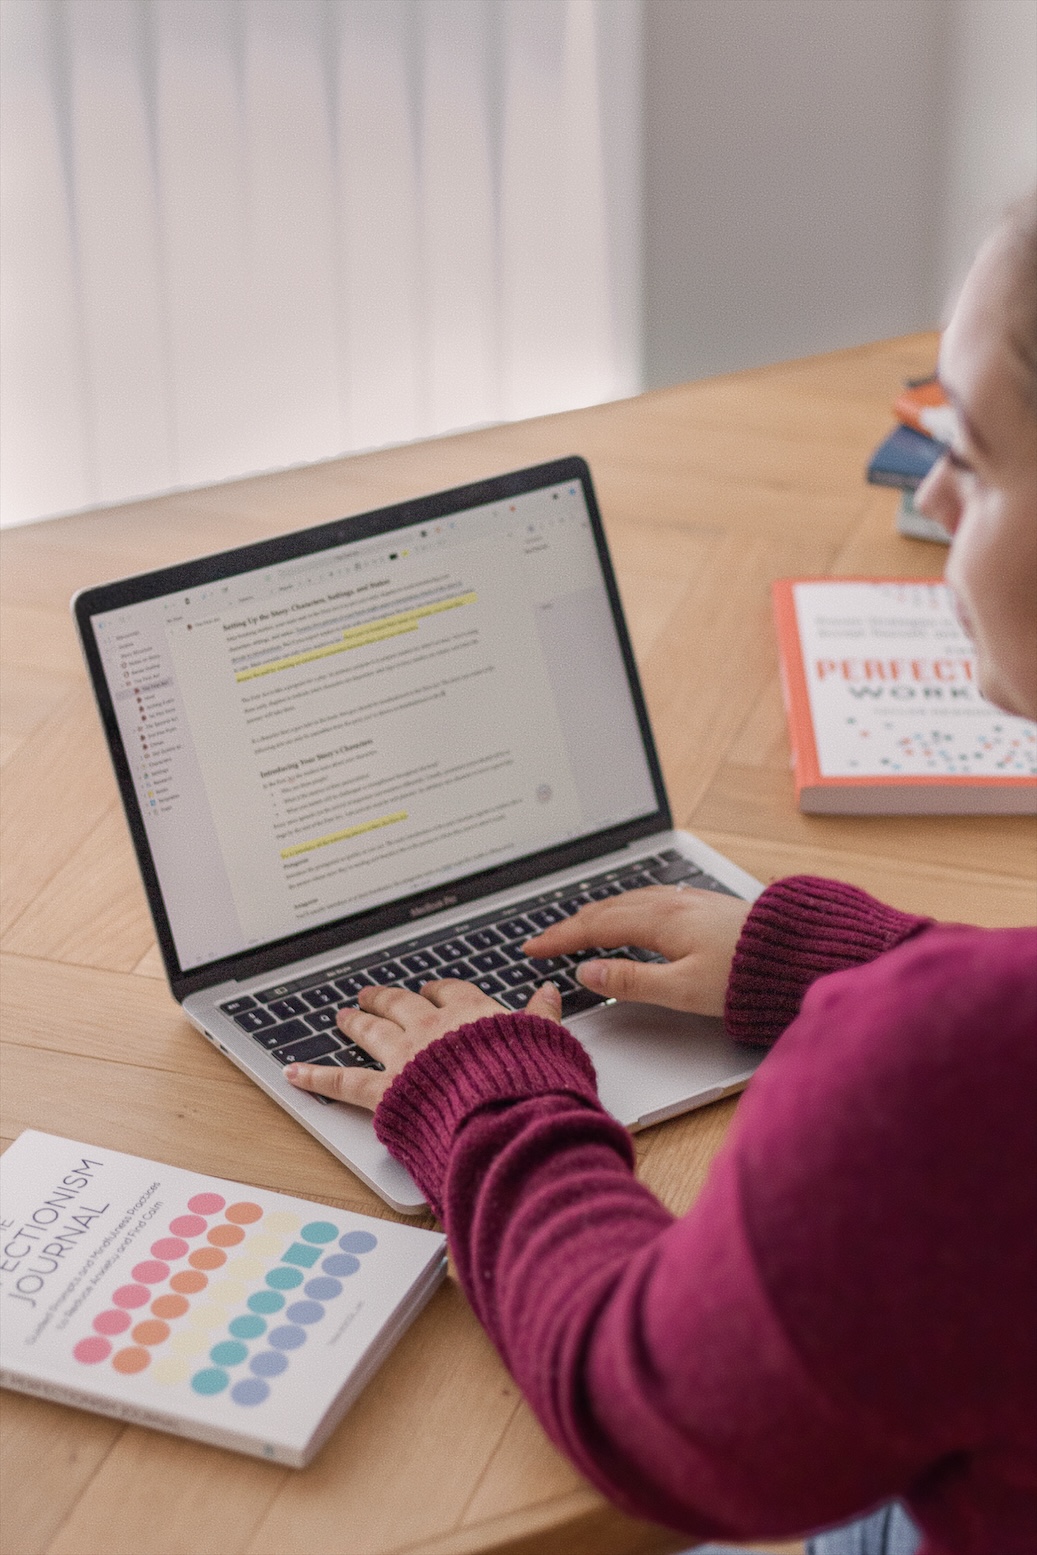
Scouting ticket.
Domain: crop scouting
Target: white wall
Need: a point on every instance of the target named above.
(818, 172)
(990, 149)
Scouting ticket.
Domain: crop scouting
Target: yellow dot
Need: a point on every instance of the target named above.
(282, 1221)
(212, 1315)
(248, 1269)
(189, 1341)
(172, 1369)
(264, 1246)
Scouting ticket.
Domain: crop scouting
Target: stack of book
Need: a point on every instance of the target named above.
(905, 457)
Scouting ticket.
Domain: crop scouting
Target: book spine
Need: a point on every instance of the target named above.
(152, 1419)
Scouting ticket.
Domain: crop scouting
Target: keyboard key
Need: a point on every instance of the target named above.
(388, 972)
(415, 984)
(599, 892)
(579, 999)
(268, 1039)
(289, 1031)
(462, 969)
(516, 928)
(482, 939)
(574, 903)
(490, 985)
(543, 917)
(421, 961)
(307, 1050)
(238, 1006)
(254, 1020)
(451, 950)
(293, 1005)
(544, 968)
(514, 976)
(636, 882)
(320, 998)
(353, 1057)
(675, 870)
(321, 1020)
(349, 987)
(488, 961)
(516, 998)
(268, 995)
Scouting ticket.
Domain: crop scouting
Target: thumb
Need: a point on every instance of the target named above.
(652, 982)
(546, 1002)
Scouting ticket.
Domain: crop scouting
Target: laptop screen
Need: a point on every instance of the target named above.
(317, 736)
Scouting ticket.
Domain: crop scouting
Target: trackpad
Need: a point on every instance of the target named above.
(654, 1063)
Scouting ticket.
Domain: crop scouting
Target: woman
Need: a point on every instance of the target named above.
(845, 1319)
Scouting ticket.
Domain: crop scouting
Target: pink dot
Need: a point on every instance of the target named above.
(151, 1273)
(112, 1322)
(206, 1203)
(169, 1248)
(187, 1225)
(90, 1351)
(131, 1296)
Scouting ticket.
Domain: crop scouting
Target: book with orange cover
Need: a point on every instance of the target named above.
(924, 406)
(885, 713)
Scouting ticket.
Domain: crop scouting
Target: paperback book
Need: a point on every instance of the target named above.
(168, 1299)
(885, 714)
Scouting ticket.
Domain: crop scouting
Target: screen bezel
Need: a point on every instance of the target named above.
(344, 931)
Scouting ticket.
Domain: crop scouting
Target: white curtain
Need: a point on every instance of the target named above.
(243, 234)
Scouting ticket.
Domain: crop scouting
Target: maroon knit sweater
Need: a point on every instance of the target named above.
(849, 1311)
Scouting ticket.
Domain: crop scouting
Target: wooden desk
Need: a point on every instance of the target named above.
(708, 491)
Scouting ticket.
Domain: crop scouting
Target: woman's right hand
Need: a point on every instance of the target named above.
(696, 931)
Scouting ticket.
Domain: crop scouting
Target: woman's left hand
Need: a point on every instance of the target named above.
(393, 1025)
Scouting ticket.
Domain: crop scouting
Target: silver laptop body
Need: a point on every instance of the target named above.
(375, 739)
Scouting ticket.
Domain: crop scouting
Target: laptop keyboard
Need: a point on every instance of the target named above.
(295, 1021)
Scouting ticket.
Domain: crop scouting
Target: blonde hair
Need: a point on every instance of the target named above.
(1020, 230)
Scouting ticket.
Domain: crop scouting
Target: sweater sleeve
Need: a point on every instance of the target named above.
(801, 928)
(699, 1370)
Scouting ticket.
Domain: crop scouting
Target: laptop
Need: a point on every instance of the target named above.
(389, 749)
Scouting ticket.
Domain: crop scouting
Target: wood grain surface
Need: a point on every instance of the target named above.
(708, 491)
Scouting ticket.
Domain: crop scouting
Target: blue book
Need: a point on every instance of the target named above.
(904, 459)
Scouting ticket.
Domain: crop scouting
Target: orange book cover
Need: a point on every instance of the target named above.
(925, 407)
(885, 715)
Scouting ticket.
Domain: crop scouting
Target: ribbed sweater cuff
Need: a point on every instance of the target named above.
(800, 929)
(497, 1059)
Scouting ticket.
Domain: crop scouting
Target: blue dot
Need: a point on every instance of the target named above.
(210, 1381)
(247, 1327)
(229, 1353)
(305, 1312)
(357, 1242)
(319, 1231)
(249, 1391)
(323, 1290)
(288, 1338)
(265, 1301)
(283, 1278)
(341, 1264)
(268, 1363)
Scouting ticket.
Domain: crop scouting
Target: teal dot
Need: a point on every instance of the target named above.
(283, 1278)
(228, 1353)
(265, 1301)
(319, 1231)
(210, 1381)
(247, 1327)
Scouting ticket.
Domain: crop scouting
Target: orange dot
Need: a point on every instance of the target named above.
(244, 1214)
(226, 1236)
(129, 1361)
(151, 1332)
(188, 1282)
(170, 1306)
(207, 1258)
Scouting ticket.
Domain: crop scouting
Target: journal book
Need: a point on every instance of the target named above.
(237, 1316)
(885, 713)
